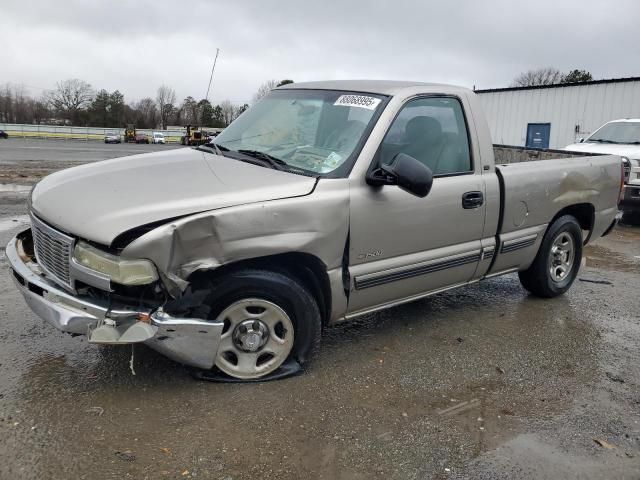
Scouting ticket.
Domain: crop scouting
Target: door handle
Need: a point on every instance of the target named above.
(472, 199)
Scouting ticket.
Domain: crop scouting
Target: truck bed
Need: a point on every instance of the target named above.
(512, 154)
(535, 192)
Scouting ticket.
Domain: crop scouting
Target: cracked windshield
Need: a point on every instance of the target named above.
(314, 130)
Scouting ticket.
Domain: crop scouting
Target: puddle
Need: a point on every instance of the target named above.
(597, 256)
(10, 223)
(14, 188)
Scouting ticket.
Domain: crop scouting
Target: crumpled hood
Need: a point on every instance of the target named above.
(101, 200)
(630, 151)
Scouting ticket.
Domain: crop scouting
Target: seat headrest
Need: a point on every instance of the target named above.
(423, 129)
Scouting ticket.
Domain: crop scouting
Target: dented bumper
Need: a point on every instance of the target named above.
(189, 341)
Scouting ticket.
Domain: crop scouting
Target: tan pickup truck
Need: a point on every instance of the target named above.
(323, 202)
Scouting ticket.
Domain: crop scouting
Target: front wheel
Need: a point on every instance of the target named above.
(557, 263)
(268, 317)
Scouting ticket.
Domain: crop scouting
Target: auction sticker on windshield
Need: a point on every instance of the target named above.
(361, 101)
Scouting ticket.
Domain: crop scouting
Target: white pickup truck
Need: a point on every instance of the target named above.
(323, 202)
(619, 137)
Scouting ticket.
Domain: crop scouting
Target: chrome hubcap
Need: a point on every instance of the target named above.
(250, 335)
(256, 339)
(561, 257)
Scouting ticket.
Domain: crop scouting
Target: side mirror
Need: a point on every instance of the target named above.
(406, 172)
(580, 140)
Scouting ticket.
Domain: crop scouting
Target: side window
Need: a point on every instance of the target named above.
(433, 131)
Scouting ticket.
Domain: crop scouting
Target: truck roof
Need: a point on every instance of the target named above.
(632, 120)
(383, 87)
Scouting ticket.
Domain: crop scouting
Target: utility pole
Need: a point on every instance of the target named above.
(206, 97)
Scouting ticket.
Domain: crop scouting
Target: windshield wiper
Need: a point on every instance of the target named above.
(254, 157)
(213, 147)
(274, 162)
(601, 140)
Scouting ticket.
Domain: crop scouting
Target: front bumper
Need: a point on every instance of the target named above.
(631, 198)
(189, 341)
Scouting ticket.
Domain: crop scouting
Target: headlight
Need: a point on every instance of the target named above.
(124, 272)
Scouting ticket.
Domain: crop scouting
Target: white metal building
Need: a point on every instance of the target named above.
(553, 116)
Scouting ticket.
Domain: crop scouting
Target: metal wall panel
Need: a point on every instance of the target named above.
(589, 106)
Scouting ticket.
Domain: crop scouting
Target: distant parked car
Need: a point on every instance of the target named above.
(158, 138)
(141, 138)
(3, 134)
(112, 137)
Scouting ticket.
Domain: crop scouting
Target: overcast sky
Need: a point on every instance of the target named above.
(135, 46)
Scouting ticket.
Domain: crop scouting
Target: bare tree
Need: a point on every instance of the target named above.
(146, 113)
(228, 112)
(265, 88)
(21, 105)
(16, 106)
(166, 99)
(39, 110)
(540, 76)
(6, 104)
(70, 97)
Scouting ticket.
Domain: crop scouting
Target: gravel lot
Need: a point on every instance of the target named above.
(484, 382)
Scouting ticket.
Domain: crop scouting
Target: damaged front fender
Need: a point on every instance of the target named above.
(316, 224)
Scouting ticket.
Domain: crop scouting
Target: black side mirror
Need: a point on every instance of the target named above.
(406, 172)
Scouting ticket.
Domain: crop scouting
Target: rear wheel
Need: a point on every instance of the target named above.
(268, 317)
(557, 263)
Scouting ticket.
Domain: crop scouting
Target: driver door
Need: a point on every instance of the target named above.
(402, 246)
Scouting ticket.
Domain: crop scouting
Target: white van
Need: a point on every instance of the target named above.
(158, 137)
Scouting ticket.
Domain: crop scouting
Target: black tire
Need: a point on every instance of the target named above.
(276, 287)
(538, 278)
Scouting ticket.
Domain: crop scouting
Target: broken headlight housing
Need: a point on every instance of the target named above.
(119, 270)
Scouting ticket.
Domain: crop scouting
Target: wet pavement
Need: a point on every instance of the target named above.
(482, 382)
(24, 161)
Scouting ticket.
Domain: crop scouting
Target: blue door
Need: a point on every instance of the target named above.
(538, 135)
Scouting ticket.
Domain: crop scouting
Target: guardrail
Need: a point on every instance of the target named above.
(78, 133)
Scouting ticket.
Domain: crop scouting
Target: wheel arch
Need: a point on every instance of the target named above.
(308, 269)
(584, 213)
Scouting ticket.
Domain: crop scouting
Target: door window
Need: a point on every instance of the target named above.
(433, 131)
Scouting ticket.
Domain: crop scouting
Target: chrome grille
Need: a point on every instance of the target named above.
(53, 250)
